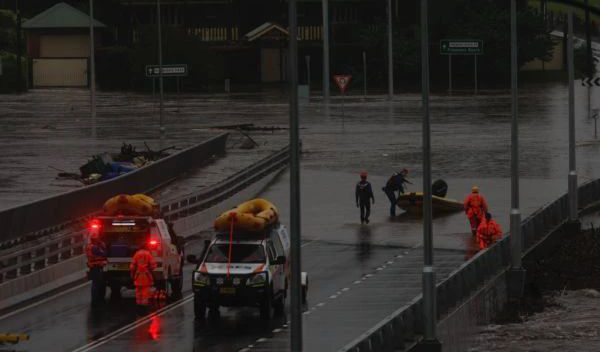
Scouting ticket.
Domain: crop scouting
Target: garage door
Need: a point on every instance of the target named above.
(60, 72)
(64, 46)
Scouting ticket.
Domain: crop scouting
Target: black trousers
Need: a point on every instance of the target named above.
(365, 210)
(96, 275)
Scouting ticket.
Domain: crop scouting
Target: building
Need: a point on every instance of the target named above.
(252, 35)
(58, 45)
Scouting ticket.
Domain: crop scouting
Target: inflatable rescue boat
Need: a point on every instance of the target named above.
(254, 216)
(413, 203)
(125, 204)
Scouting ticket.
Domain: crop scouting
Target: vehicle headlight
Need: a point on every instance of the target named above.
(201, 279)
(257, 280)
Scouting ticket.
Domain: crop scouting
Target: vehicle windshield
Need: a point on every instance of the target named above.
(240, 253)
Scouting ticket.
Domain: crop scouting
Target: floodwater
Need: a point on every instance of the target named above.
(470, 145)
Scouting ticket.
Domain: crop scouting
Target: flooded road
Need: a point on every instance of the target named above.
(470, 145)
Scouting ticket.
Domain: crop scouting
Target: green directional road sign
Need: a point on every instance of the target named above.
(167, 70)
(461, 47)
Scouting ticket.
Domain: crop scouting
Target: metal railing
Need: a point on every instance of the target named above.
(406, 323)
(41, 217)
(70, 244)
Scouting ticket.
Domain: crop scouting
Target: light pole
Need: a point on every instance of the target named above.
(390, 53)
(92, 70)
(326, 51)
(430, 342)
(160, 70)
(296, 287)
(19, 54)
(573, 216)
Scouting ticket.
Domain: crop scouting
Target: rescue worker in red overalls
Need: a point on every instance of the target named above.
(475, 207)
(141, 269)
(488, 232)
(96, 261)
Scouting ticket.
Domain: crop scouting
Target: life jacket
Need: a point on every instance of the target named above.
(96, 254)
(141, 268)
(488, 233)
(475, 204)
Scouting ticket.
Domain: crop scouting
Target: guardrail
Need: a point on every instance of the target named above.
(55, 211)
(392, 333)
(66, 246)
(224, 189)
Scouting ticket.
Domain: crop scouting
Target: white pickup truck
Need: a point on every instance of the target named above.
(257, 273)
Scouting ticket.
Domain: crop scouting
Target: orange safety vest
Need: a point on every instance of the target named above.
(475, 204)
(488, 233)
(141, 268)
(97, 259)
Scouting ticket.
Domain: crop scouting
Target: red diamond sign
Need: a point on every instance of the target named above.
(342, 81)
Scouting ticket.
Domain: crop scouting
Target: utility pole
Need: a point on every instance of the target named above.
(430, 343)
(390, 53)
(160, 68)
(92, 65)
(516, 274)
(296, 287)
(573, 216)
(326, 51)
(588, 39)
(19, 49)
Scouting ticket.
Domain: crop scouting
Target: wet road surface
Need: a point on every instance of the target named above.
(470, 140)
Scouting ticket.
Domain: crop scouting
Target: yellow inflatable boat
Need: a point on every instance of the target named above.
(413, 203)
(137, 204)
(253, 215)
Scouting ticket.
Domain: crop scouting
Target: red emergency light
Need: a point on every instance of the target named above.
(153, 244)
(94, 224)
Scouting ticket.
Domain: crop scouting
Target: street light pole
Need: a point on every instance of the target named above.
(19, 54)
(160, 69)
(326, 51)
(92, 65)
(296, 287)
(390, 53)
(572, 165)
(430, 342)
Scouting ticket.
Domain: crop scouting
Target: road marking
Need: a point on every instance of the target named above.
(148, 318)
(32, 305)
(345, 289)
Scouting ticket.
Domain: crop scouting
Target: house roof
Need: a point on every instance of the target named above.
(61, 15)
(263, 29)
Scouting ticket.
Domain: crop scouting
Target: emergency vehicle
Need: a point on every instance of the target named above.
(123, 235)
(244, 269)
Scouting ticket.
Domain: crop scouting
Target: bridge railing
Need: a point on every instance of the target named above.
(61, 247)
(405, 323)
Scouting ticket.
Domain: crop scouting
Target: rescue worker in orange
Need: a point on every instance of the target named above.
(141, 269)
(488, 232)
(475, 207)
(96, 261)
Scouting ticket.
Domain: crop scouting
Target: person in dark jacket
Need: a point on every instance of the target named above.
(395, 183)
(364, 194)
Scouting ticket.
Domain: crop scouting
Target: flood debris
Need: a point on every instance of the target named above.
(105, 166)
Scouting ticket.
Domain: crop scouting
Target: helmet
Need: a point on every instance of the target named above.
(475, 189)
(488, 216)
(363, 175)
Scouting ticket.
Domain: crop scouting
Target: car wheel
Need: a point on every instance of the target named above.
(305, 292)
(199, 307)
(115, 291)
(265, 306)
